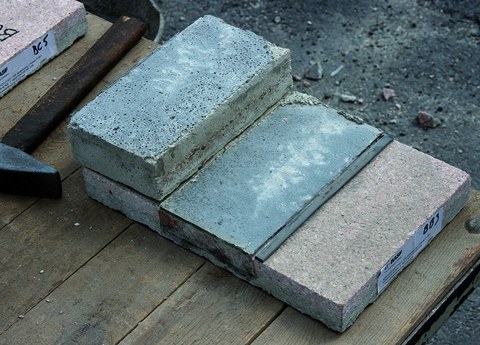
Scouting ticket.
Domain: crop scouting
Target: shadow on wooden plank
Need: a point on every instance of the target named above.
(55, 237)
(212, 307)
(108, 296)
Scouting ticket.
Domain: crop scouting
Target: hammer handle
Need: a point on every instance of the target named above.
(68, 91)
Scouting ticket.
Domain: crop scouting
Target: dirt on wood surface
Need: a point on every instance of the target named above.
(410, 68)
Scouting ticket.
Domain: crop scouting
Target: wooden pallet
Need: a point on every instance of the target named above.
(73, 270)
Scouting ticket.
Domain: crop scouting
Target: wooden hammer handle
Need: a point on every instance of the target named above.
(69, 91)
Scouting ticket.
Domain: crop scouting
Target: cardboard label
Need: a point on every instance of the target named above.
(420, 239)
(29, 60)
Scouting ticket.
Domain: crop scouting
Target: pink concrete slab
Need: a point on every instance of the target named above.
(329, 267)
(24, 26)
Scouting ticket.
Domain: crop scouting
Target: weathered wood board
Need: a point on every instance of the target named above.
(98, 304)
(221, 299)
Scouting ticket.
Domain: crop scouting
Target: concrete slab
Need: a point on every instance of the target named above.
(348, 244)
(158, 124)
(33, 32)
(266, 184)
(330, 267)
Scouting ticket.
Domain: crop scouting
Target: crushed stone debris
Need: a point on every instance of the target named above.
(425, 120)
(336, 71)
(388, 93)
(348, 98)
(473, 225)
(296, 77)
(315, 72)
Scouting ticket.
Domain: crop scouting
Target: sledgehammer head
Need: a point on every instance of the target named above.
(22, 174)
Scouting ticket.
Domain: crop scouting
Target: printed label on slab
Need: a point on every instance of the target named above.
(27, 61)
(420, 239)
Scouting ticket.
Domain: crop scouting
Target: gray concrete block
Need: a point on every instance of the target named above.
(329, 268)
(155, 126)
(33, 32)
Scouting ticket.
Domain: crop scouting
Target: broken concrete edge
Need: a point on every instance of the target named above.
(299, 98)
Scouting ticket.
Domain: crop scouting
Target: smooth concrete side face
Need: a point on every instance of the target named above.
(21, 28)
(334, 258)
(158, 124)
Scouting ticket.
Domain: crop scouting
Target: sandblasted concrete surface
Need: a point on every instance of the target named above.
(329, 268)
(33, 32)
(159, 123)
(273, 177)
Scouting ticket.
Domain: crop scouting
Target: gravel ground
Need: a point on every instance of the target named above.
(410, 68)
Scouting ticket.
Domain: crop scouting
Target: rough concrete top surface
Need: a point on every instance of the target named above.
(347, 241)
(31, 19)
(176, 87)
(271, 173)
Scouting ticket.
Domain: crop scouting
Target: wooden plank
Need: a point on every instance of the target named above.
(56, 236)
(404, 304)
(11, 206)
(107, 297)
(212, 307)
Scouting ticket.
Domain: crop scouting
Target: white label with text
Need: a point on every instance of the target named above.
(27, 61)
(420, 239)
